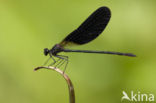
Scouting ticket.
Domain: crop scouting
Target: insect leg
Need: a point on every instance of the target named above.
(65, 58)
(54, 61)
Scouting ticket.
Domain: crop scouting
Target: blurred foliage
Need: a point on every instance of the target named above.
(28, 26)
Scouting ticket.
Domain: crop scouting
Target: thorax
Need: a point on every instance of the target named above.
(56, 49)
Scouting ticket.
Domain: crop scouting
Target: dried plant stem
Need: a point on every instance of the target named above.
(65, 76)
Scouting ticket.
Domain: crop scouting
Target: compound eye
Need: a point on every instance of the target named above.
(46, 51)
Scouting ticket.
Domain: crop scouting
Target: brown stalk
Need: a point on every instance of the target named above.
(65, 76)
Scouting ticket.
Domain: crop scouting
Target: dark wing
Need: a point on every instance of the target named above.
(90, 28)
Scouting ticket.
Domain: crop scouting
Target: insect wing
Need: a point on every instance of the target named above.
(90, 28)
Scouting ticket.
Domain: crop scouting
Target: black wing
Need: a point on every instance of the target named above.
(90, 28)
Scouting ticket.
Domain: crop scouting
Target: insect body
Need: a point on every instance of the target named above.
(90, 29)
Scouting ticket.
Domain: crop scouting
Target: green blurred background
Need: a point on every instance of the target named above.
(29, 26)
